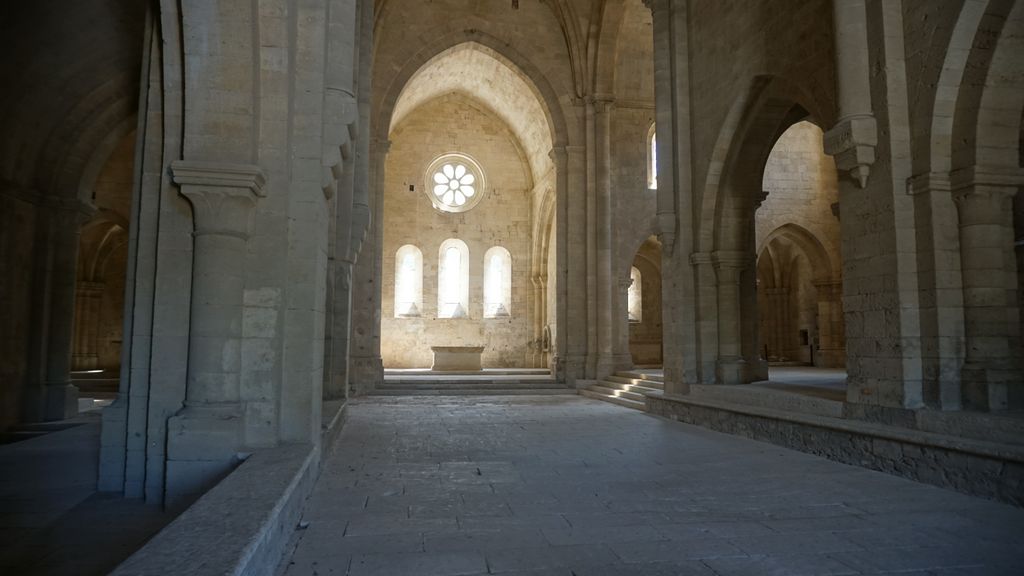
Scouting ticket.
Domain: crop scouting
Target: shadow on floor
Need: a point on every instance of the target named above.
(52, 520)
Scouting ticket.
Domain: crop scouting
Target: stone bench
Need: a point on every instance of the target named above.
(457, 358)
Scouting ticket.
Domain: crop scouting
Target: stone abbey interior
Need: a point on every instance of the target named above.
(518, 287)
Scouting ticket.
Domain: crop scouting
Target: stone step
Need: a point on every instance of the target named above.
(752, 395)
(406, 372)
(473, 392)
(609, 389)
(470, 384)
(636, 382)
(612, 399)
(640, 375)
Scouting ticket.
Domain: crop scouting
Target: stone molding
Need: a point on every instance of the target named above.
(928, 182)
(965, 180)
(730, 259)
(219, 175)
(698, 258)
(222, 195)
(852, 143)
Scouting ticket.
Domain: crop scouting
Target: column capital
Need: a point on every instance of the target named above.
(983, 195)
(222, 194)
(986, 179)
(213, 175)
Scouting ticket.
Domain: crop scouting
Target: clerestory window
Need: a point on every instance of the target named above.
(652, 158)
(453, 280)
(634, 297)
(497, 283)
(408, 282)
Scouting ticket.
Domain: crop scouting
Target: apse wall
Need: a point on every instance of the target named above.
(456, 123)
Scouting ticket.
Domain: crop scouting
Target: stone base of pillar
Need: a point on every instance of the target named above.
(203, 445)
(988, 386)
(575, 369)
(755, 370)
(84, 361)
(830, 358)
(730, 370)
(366, 372)
(50, 402)
(608, 365)
(622, 362)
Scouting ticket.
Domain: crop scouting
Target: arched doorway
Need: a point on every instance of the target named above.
(100, 279)
(644, 306)
(800, 325)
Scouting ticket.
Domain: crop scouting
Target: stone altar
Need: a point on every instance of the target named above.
(462, 358)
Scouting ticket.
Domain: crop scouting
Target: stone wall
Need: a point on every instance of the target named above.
(911, 454)
(455, 123)
(17, 238)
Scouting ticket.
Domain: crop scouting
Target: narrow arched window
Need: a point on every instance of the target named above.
(497, 283)
(652, 158)
(635, 296)
(408, 282)
(453, 280)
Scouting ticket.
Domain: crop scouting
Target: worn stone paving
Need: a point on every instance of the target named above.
(569, 486)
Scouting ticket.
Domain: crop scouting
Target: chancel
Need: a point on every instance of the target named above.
(543, 287)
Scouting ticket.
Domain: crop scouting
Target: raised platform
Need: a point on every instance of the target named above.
(987, 468)
(487, 382)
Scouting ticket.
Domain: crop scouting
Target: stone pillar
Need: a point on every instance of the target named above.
(622, 348)
(575, 328)
(832, 342)
(88, 297)
(992, 368)
(606, 327)
(665, 113)
(778, 315)
(853, 139)
(204, 438)
(366, 368)
(756, 366)
(538, 355)
(730, 367)
(558, 345)
(52, 396)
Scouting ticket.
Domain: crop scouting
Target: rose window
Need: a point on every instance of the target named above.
(453, 185)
